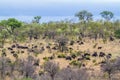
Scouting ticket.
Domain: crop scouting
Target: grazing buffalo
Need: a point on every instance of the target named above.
(68, 58)
(95, 54)
(36, 63)
(48, 47)
(83, 65)
(73, 56)
(87, 58)
(108, 55)
(111, 38)
(79, 59)
(99, 47)
(22, 51)
(13, 46)
(86, 54)
(51, 57)
(4, 54)
(72, 42)
(22, 47)
(10, 48)
(12, 52)
(81, 43)
(101, 54)
(78, 41)
(15, 55)
(54, 48)
(35, 46)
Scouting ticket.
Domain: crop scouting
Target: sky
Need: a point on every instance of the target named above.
(56, 7)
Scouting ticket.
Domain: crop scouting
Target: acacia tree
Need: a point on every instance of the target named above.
(37, 19)
(10, 25)
(13, 23)
(107, 15)
(84, 16)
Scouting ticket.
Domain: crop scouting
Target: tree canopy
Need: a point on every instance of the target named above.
(11, 24)
(107, 15)
(84, 15)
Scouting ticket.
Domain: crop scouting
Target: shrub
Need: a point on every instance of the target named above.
(26, 79)
(75, 63)
(46, 58)
(78, 53)
(117, 34)
(61, 56)
(94, 61)
(73, 55)
(51, 68)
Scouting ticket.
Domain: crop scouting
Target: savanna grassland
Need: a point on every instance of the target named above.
(61, 50)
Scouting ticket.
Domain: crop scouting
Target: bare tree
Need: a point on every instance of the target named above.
(51, 68)
(3, 67)
(72, 74)
(108, 67)
(62, 41)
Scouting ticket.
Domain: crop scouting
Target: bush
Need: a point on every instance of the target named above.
(94, 61)
(78, 53)
(75, 63)
(73, 55)
(46, 58)
(26, 79)
(117, 34)
(61, 56)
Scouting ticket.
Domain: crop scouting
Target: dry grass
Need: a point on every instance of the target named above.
(112, 47)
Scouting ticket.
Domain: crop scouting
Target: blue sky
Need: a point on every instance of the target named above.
(56, 7)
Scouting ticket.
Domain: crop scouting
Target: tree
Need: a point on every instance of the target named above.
(3, 38)
(13, 24)
(84, 15)
(72, 74)
(51, 68)
(107, 15)
(111, 67)
(37, 19)
(62, 41)
(117, 33)
(4, 66)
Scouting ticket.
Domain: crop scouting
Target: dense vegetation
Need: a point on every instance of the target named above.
(61, 34)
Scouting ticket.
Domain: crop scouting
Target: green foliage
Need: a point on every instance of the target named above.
(75, 63)
(20, 31)
(117, 33)
(37, 19)
(73, 54)
(13, 23)
(3, 23)
(78, 53)
(94, 61)
(46, 58)
(41, 72)
(107, 15)
(26, 79)
(61, 56)
(10, 24)
(84, 15)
